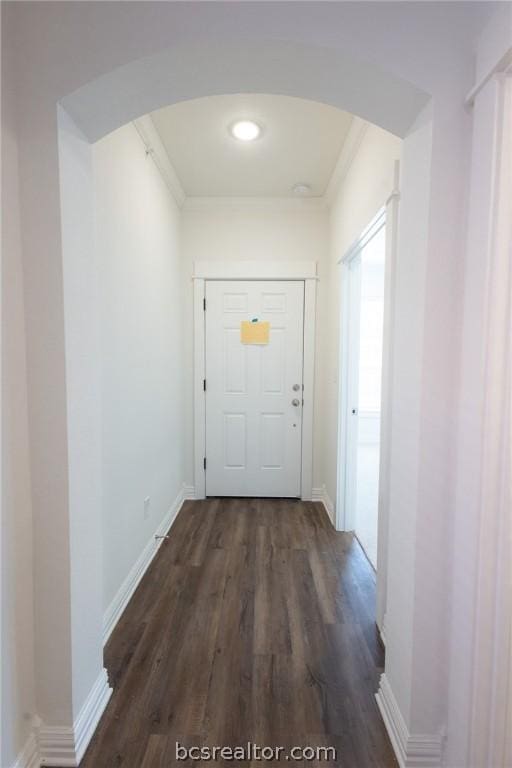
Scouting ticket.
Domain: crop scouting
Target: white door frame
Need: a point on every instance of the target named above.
(390, 214)
(345, 433)
(254, 270)
(349, 385)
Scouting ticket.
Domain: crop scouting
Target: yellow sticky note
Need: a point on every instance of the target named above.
(254, 333)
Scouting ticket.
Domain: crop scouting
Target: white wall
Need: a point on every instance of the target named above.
(81, 333)
(17, 693)
(362, 192)
(138, 236)
(406, 387)
(243, 229)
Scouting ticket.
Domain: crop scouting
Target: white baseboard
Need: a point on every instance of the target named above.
(29, 755)
(130, 584)
(320, 494)
(411, 750)
(91, 712)
(382, 630)
(189, 492)
(57, 746)
(65, 746)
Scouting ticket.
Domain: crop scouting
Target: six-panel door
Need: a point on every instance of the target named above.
(254, 392)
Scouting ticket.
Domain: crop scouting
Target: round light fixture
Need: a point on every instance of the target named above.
(245, 130)
(301, 189)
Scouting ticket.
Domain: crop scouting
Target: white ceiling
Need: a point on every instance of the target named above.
(301, 142)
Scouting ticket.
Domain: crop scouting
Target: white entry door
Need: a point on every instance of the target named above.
(254, 392)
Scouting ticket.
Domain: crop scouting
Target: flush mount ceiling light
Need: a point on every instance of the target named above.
(301, 189)
(245, 130)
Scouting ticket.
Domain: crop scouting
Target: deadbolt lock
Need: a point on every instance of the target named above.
(296, 387)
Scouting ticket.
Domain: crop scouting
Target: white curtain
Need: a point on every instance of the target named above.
(491, 745)
(506, 245)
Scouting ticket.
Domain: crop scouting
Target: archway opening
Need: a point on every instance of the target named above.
(101, 107)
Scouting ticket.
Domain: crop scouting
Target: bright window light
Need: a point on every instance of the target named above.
(245, 130)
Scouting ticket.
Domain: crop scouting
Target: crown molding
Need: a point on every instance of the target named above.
(150, 137)
(154, 147)
(268, 204)
(349, 150)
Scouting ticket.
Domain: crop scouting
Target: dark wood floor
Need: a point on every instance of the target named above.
(254, 623)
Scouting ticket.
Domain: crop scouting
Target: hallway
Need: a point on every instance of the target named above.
(254, 623)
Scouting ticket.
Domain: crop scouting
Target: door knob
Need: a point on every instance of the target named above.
(295, 402)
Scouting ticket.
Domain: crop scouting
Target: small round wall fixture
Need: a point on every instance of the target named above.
(301, 189)
(245, 130)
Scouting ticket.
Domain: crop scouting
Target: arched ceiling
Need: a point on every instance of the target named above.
(193, 70)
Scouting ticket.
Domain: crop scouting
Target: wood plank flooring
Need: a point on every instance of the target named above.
(255, 622)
